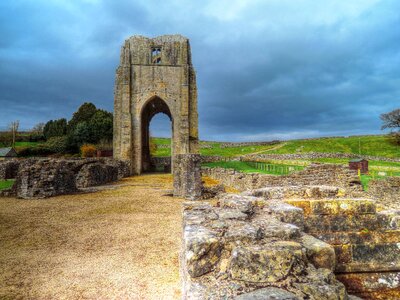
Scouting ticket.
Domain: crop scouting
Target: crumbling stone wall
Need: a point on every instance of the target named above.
(161, 163)
(41, 178)
(386, 191)
(45, 178)
(9, 168)
(285, 242)
(187, 176)
(316, 174)
(240, 249)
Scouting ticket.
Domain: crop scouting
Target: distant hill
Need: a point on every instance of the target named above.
(375, 145)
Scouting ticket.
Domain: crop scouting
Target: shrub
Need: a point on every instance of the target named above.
(88, 150)
(40, 150)
(57, 144)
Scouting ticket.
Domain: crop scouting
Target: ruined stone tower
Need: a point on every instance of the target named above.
(155, 75)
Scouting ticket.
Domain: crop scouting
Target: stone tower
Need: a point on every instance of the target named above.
(155, 75)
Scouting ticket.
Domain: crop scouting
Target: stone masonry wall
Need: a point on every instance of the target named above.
(9, 168)
(386, 191)
(41, 178)
(239, 248)
(316, 174)
(187, 176)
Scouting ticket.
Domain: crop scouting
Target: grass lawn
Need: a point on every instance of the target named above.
(5, 184)
(27, 144)
(252, 167)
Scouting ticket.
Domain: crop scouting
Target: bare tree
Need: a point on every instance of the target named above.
(38, 128)
(392, 120)
(14, 131)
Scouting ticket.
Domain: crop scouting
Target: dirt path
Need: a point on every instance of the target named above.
(113, 244)
(267, 150)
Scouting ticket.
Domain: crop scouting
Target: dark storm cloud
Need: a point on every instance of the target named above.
(265, 69)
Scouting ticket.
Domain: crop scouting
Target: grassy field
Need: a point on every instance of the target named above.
(5, 184)
(215, 148)
(27, 144)
(376, 145)
(366, 145)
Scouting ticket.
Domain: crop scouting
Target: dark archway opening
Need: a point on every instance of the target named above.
(153, 107)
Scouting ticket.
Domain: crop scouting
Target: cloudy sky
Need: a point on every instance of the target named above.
(266, 69)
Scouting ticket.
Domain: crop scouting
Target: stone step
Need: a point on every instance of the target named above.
(364, 251)
(315, 224)
(334, 206)
(373, 286)
(360, 237)
(297, 192)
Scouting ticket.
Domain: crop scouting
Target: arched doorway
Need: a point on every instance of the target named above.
(153, 107)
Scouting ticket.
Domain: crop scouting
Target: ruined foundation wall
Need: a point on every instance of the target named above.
(386, 191)
(316, 174)
(9, 168)
(45, 177)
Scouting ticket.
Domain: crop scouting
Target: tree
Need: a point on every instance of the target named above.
(82, 135)
(6, 139)
(14, 131)
(84, 113)
(392, 120)
(55, 128)
(101, 126)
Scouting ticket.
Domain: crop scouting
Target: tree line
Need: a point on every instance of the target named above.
(88, 125)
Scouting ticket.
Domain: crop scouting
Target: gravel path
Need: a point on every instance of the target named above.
(120, 243)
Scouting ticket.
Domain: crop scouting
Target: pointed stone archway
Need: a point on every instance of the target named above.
(155, 75)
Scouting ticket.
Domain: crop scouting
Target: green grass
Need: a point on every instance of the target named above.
(27, 144)
(214, 150)
(377, 145)
(252, 167)
(5, 184)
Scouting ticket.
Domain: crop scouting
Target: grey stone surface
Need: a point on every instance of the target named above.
(269, 293)
(187, 176)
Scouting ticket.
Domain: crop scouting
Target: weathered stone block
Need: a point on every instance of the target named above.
(269, 293)
(319, 253)
(202, 250)
(269, 263)
(373, 285)
(333, 223)
(389, 219)
(245, 204)
(288, 213)
(187, 176)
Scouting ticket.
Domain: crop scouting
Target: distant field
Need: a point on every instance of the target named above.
(215, 148)
(375, 145)
(366, 145)
(26, 144)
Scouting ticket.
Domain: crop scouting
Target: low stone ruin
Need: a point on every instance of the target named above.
(315, 174)
(289, 242)
(9, 169)
(41, 178)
